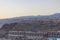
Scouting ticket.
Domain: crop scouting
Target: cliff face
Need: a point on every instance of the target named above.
(8, 27)
(34, 25)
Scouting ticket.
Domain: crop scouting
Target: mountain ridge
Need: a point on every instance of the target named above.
(19, 19)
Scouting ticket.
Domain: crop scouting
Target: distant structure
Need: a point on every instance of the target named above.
(30, 35)
(24, 35)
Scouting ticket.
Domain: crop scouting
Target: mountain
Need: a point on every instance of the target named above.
(57, 15)
(30, 23)
(34, 25)
(19, 19)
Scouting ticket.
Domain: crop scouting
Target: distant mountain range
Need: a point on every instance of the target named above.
(19, 19)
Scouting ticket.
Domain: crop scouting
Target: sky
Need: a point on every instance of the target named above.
(17, 8)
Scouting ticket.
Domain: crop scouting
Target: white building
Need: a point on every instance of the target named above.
(25, 35)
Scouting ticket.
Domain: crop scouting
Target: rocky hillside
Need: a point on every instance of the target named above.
(30, 23)
(19, 19)
(34, 25)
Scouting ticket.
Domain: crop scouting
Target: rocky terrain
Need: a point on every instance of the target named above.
(19, 19)
(30, 23)
(34, 25)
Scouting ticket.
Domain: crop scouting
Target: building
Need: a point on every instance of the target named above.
(25, 35)
(31, 35)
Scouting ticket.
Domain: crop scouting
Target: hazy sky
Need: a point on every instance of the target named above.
(14, 8)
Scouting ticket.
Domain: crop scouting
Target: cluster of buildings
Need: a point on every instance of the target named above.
(24, 35)
(31, 35)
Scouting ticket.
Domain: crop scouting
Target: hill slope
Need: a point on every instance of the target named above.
(19, 19)
(34, 25)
